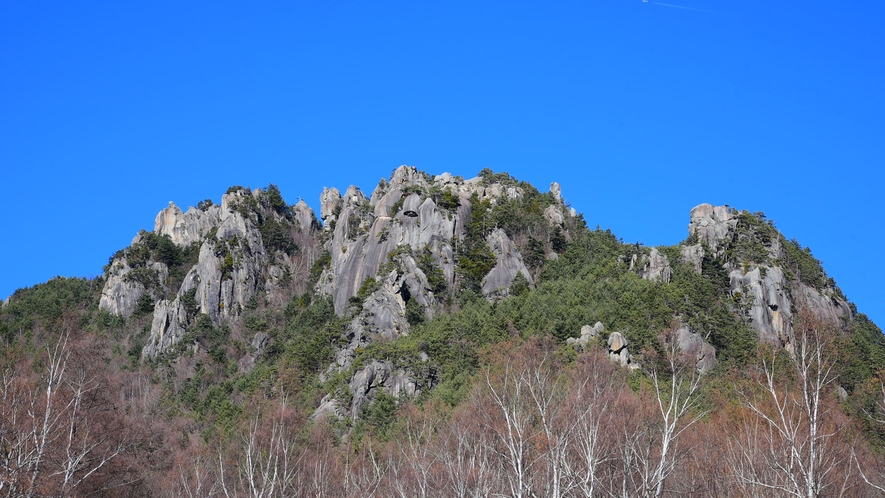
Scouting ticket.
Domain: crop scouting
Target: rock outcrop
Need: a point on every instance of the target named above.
(509, 264)
(617, 350)
(656, 267)
(392, 262)
(186, 228)
(769, 305)
(122, 289)
(764, 294)
(231, 268)
(694, 346)
(587, 334)
(232, 265)
(410, 217)
(375, 377)
(711, 225)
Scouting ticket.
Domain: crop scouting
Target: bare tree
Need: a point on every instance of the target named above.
(596, 383)
(58, 429)
(363, 472)
(510, 420)
(466, 457)
(650, 449)
(789, 448)
(417, 451)
(269, 459)
(875, 479)
(548, 389)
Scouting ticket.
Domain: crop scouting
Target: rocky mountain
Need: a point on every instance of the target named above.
(409, 342)
(403, 255)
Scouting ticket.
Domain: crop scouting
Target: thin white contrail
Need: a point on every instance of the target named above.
(679, 7)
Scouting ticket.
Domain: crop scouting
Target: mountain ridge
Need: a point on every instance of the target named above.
(425, 302)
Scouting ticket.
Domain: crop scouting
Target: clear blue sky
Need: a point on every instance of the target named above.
(641, 110)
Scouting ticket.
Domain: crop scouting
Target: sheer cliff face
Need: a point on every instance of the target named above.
(400, 213)
(379, 238)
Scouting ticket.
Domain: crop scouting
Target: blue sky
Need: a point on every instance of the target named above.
(641, 110)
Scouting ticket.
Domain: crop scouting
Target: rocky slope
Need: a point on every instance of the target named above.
(756, 258)
(400, 256)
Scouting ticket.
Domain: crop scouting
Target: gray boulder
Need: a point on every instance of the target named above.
(587, 333)
(693, 346)
(617, 350)
(554, 215)
(375, 377)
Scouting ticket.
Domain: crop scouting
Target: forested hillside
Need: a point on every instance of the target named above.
(441, 337)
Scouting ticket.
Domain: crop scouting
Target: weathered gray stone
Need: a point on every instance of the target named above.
(824, 303)
(186, 228)
(767, 297)
(556, 191)
(693, 255)
(509, 264)
(411, 206)
(691, 344)
(167, 328)
(120, 293)
(329, 407)
(554, 215)
(443, 179)
(376, 376)
(384, 205)
(656, 267)
(330, 200)
(617, 350)
(221, 293)
(260, 340)
(303, 215)
(587, 333)
(409, 175)
(616, 342)
(711, 224)
(380, 190)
